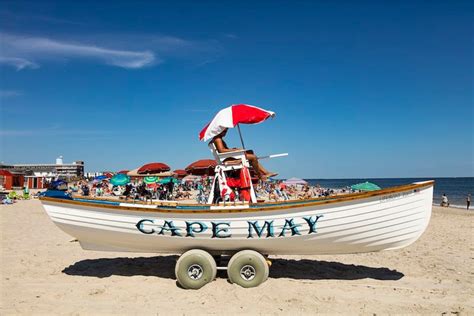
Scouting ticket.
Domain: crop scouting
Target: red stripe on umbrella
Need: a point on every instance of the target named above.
(247, 114)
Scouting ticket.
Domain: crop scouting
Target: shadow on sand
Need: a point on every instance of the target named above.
(163, 267)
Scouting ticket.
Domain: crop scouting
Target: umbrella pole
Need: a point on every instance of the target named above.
(240, 134)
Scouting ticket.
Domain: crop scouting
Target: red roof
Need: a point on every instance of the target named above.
(5, 173)
(153, 167)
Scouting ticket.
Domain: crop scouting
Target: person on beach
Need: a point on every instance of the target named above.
(222, 147)
(468, 201)
(444, 200)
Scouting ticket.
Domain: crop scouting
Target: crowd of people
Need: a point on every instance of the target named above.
(138, 190)
(279, 191)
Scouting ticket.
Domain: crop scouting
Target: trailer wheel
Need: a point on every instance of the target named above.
(247, 268)
(195, 268)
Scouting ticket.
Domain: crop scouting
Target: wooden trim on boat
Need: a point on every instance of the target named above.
(255, 208)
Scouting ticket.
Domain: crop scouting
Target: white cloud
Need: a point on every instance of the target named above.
(22, 52)
(18, 63)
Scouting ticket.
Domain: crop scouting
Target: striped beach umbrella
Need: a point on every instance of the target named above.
(150, 180)
(233, 116)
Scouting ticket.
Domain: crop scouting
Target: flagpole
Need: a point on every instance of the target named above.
(240, 134)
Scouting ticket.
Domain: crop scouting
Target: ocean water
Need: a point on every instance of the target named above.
(456, 189)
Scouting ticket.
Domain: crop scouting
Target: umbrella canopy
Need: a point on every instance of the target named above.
(180, 173)
(108, 174)
(365, 186)
(150, 180)
(295, 181)
(168, 180)
(120, 179)
(202, 167)
(134, 173)
(100, 178)
(154, 167)
(191, 177)
(58, 183)
(123, 171)
(233, 115)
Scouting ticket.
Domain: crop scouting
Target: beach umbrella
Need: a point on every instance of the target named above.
(150, 180)
(152, 185)
(153, 167)
(233, 116)
(295, 181)
(191, 177)
(180, 173)
(365, 186)
(123, 171)
(100, 178)
(120, 179)
(168, 180)
(202, 167)
(57, 184)
(108, 174)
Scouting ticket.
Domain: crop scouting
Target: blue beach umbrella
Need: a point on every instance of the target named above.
(168, 180)
(100, 178)
(120, 179)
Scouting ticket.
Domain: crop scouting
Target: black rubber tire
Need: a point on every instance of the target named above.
(200, 259)
(251, 260)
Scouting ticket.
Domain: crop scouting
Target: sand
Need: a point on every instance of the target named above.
(43, 271)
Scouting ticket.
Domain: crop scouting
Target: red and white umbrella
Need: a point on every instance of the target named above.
(232, 116)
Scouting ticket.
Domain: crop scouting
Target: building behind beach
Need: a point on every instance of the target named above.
(37, 176)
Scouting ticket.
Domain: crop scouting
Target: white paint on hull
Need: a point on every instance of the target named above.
(362, 225)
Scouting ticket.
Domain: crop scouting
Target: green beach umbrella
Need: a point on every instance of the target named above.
(120, 179)
(150, 180)
(365, 186)
(168, 180)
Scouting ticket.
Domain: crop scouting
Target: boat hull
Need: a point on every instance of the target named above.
(388, 219)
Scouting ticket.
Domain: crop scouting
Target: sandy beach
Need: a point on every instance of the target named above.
(44, 271)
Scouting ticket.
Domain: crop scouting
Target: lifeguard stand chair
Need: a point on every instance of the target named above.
(237, 162)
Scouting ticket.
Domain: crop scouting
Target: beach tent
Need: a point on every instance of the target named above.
(365, 186)
(295, 181)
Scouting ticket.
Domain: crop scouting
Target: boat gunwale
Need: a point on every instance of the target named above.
(254, 207)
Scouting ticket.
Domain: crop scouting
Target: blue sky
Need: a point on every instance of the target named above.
(361, 89)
